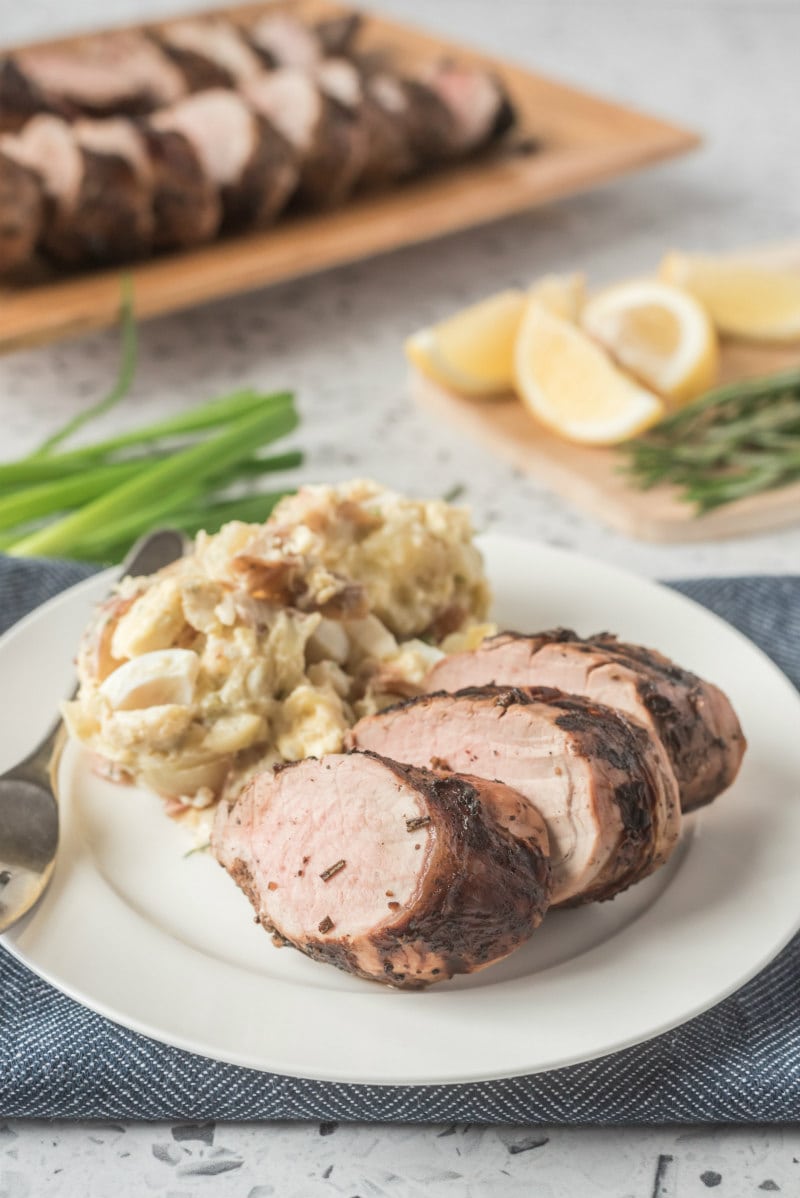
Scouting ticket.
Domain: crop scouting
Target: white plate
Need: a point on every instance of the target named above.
(166, 945)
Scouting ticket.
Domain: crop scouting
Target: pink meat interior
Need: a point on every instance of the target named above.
(322, 813)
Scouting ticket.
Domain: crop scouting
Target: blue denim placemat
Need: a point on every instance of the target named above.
(740, 1062)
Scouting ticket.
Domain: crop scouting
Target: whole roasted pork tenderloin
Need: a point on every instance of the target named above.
(396, 874)
(693, 719)
(601, 782)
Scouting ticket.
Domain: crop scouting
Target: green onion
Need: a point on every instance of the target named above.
(214, 414)
(233, 444)
(22, 507)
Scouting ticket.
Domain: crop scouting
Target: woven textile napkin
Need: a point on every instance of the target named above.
(740, 1062)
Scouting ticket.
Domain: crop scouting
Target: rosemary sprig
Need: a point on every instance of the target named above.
(737, 440)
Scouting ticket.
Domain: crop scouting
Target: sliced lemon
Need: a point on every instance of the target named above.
(758, 303)
(472, 352)
(563, 295)
(658, 332)
(571, 385)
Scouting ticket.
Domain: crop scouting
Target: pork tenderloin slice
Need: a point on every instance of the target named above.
(693, 719)
(96, 208)
(388, 872)
(21, 98)
(21, 210)
(210, 52)
(390, 153)
(601, 783)
(119, 138)
(478, 103)
(336, 158)
(291, 101)
(282, 40)
(251, 164)
(187, 208)
(111, 74)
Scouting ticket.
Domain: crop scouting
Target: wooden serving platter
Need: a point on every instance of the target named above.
(581, 141)
(593, 480)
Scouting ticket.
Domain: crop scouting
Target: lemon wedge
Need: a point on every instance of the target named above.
(658, 332)
(571, 385)
(472, 352)
(745, 300)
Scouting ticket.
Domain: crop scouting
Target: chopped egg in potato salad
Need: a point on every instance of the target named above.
(267, 642)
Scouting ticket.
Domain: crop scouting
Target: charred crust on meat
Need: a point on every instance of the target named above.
(338, 34)
(200, 73)
(243, 878)
(21, 98)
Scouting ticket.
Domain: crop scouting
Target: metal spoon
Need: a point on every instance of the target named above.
(28, 806)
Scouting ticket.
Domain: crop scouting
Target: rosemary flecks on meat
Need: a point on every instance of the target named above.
(737, 440)
(420, 822)
(332, 870)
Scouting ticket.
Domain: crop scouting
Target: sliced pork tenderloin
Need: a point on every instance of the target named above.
(247, 159)
(209, 51)
(97, 209)
(693, 718)
(21, 210)
(389, 872)
(602, 783)
(111, 74)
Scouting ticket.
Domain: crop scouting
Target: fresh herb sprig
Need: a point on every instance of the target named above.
(737, 440)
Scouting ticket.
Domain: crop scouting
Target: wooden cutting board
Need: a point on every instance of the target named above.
(592, 479)
(580, 139)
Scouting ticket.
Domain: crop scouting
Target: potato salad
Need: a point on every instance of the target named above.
(267, 642)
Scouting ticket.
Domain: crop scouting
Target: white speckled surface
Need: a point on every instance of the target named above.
(726, 67)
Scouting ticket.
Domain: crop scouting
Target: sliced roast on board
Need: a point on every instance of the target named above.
(602, 783)
(392, 873)
(693, 718)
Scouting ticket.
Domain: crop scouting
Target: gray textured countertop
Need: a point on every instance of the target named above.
(725, 67)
